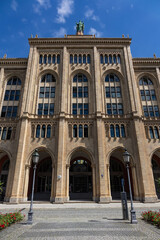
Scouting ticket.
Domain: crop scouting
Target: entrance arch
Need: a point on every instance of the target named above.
(117, 173)
(156, 171)
(80, 180)
(4, 172)
(43, 178)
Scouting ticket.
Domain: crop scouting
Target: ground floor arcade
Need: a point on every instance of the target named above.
(81, 177)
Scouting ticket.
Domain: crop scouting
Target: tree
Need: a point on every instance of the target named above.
(1, 187)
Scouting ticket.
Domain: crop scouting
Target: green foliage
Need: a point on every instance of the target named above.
(158, 181)
(152, 217)
(9, 218)
(1, 187)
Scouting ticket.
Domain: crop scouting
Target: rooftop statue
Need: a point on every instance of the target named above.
(80, 28)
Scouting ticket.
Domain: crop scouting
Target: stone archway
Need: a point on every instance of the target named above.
(43, 178)
(156, 171)
(4, 172)
(117, 173)
(81, 176)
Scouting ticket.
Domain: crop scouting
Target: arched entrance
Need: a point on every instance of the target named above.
(117, 173)
(80, 179)
(156, 171)
(4, 171)
(43, 179)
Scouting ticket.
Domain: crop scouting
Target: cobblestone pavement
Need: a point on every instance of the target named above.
(80, 222)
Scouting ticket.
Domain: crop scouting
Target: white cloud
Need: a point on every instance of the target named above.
(90, 14)
(60, 33)
(41, 4)
(64, 9)
(93, 31)
(14, 5)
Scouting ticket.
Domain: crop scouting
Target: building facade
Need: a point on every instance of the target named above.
(79, 100)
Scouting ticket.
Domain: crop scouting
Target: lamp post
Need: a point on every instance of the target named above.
(126, 157)
(35, 158)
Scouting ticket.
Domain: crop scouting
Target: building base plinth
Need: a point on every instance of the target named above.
(59, 200)
(150, 199)
(104, 199)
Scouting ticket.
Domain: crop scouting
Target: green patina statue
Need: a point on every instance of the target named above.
(80, 27)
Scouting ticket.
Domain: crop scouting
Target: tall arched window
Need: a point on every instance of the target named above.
(9, 132)
(88, 58)
(48, 131)
(75, 131)
(4, 133)
(38, 131)
(106, 58)
(151, 132)
(80, 95)
(80, 131)
(11, 98)
(84, 58)
(80, 58)
(86, 130)
(156, 133)
(114, 105)
(112, 133)
(123, 134)
(71, 58)
(43, 131)
(148, 98)
(47, 95)
(75, 58)
(117, 131)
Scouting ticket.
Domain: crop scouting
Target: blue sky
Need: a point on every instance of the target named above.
(104, 18)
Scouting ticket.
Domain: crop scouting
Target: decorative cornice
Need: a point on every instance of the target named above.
(79, 41)
(146, 61)
(14, 61)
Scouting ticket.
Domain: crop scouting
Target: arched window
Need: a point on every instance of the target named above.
(148, 98)
(58, 59)
(151, 132)
(49, 59)
(38, 131)
(80, 58)
(86, 131)
(54, 59)
(80, 131)
(106, 58)
(45, 59)
(80, 95)
(9, 132)
(43, 131)
(71, 58)
(156, 133)
(84, 58)
(48, 131)
(114, 59)
(47, 95)
(11, 98)
(113, 92)
(4, 133)
(75, 131)
(110, 59)
(118, 59)
(112, 133)
(88, 58)
(75, 58)
(117, 131)
(123, 134)
(40, 59)
(101, 58)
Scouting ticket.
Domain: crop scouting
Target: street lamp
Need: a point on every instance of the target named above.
(35, 158)
(126, 157)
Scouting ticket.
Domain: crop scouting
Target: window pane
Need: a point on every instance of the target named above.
(14, 113)
(9, 133)
(85, 131)
(84, 58)
(80, 131)
(12, 93)
(40, 108)
(38, 131)
(51, 111)
(4, 133)
(48, 131)
(86, 92)
(58, 59)
(80, 92)
(106, 59)
(80, 108)
(86, 109)
(101, 59)
(112, 131)
(53, 59)
(74, 108)
(117, 131)
(75, 58)
(80, 58)
(6, 97)
(75, 131)
(9, 111)
(43, 130)
(49, 59)
(123, 131)
(151, 132)
(47, 92)
(71, 58)
(3, 113)
(17, 95)
(85, 78)
(88, 58)
(52, 92)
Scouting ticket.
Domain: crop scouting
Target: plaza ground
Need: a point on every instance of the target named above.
(80, 221)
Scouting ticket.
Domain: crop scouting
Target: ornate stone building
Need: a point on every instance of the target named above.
(80, 100)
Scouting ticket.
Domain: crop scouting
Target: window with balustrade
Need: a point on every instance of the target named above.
(11, 98)
(148, 97)
(46, 100)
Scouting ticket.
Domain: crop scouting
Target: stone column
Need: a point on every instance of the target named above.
(19, 170)
(61, 142)
(158, 75)
(94, 182)
(1, 84)
(67, 182)
(100, 139)
(26, 182)
(134, 179)
(52, 198)
(108, 182)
